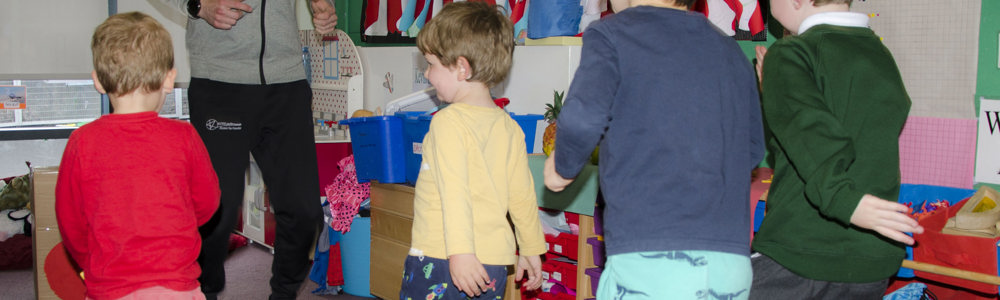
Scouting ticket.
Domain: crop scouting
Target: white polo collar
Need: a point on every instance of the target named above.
(848, 19)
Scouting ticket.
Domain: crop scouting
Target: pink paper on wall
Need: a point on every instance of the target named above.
(938, 151)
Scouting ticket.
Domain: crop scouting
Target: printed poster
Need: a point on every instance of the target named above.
(987, 160)
(13, 96)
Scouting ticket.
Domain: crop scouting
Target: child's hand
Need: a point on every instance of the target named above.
(533, 266)
(888, 218)
(553, 180)
(468, 274)
(760, 52)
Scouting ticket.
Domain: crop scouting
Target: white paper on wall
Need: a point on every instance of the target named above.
(988, 146)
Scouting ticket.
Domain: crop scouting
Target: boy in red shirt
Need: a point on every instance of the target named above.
(134, 187)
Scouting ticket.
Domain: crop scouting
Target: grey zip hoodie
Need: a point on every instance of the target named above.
(263, 47)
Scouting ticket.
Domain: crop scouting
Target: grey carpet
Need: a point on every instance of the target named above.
(248, 270)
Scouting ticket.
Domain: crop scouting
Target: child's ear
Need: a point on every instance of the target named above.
(797, 4)
(168, 80)
(464, 69)
(97, 83)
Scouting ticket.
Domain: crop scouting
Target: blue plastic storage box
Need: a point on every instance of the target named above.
(415, 127)
(377, 143)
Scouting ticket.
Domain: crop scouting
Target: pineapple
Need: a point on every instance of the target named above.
(551, 113)
(549, 138)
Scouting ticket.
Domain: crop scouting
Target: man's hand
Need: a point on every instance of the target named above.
(324, 16)
(553, 180)
(888, 218)
(468, 274)
(532, 265)
(223, 14)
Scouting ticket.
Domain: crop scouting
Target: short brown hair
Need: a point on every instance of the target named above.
(474, 30)
(131, 51)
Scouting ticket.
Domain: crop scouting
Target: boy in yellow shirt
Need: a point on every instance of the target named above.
(474, 170)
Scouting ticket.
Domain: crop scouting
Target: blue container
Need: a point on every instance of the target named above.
(355, 254)
(377, 143)
(528, 124)
(415, 127)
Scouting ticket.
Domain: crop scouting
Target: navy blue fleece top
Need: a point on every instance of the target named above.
(676, 103)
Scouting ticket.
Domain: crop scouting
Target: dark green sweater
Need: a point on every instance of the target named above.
(835, 103)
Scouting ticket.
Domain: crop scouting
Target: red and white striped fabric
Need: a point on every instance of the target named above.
(730, 15)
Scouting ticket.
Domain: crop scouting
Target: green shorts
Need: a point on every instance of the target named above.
(676, 275)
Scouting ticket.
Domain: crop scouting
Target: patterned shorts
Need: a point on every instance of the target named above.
(706, 275)
(426, 278)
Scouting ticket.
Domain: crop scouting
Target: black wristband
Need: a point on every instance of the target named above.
(194, 7)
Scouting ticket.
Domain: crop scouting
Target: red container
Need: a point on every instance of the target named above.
(559, 271)
(565, 244)
(559, 296)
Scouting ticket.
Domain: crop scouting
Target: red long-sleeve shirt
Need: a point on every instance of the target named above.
(131, 192)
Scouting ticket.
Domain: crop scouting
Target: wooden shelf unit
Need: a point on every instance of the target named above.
(392, 219)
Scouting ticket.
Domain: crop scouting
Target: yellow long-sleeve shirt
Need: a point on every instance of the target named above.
(474, 172)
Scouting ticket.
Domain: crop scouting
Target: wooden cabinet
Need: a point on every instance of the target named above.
(392, 219)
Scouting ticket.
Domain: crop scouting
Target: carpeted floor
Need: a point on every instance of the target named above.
(248, 270)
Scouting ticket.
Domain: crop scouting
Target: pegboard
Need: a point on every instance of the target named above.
(336, 72)
(938, 151)
(935, 44)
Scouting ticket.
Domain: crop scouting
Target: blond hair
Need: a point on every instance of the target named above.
(474, 30)
(132, 51)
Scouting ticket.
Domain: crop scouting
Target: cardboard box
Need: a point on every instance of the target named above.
(45, 234)
(43, 204)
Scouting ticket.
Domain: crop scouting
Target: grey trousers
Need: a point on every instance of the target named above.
(773, 281)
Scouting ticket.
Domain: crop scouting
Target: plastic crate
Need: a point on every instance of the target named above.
(559, 271)
(415, 127)
(377, 143)
(564, 244)
(599, 220)
(555, 296)
(758, 214)
(595, 277)
(917, 195)
(597, 246)
(528, 124)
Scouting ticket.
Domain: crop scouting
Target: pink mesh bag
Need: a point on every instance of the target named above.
(345, 195)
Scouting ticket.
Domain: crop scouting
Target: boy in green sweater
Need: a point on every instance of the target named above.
(835, 103)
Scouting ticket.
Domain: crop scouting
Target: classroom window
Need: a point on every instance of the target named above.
(59, 102)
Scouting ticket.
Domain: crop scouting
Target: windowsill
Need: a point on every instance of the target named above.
(35, 133)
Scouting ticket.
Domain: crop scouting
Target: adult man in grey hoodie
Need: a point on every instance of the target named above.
(249, 93)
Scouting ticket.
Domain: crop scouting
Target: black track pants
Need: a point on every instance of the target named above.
(274, 123)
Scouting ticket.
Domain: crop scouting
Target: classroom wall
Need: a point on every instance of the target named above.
(46, 38)
(988, 72)
(988, 75)
(530, 95)
(40, 153)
